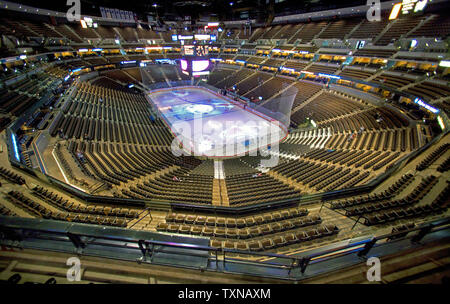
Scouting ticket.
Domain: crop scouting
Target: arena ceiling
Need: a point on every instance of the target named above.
(217, 9)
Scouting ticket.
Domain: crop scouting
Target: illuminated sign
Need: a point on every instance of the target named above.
(184, 64)
(329, 76)
(441, 122)
(128, 62)
(395, 11)
(202, 37)
(165, 60)
(200, 73)
(181, 37)
(287, 69)
(199, 65)
(408, 6)
(188, 50)
(16, 149)
(360, 44)
(444, 63)
(421, 103)
(174, 37)
(413, 6)
(420, 6)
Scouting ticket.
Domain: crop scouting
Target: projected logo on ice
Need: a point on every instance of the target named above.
(207, 124)
(184, 105)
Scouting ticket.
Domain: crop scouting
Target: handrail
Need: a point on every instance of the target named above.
(39, 234)
(148, 211)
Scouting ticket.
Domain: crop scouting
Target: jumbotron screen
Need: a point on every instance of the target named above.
(195, 66)
(194, 50)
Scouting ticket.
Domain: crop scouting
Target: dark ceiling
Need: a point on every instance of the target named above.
(217, 9)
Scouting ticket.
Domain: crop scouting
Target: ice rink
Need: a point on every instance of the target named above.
(209, 124)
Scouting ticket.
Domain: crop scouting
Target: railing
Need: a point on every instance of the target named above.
(195, 252)
(146, 210)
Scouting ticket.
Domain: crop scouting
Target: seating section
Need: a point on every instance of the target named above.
(270, 88)
(265, 231)
(19, 96)
(438, 26)
(324, 107)
(357, 74)
(177, 186)
(403, 209)
(429, 90)
(233, 78)
(64, 210)
(445, 166)
(399, 27)
(385, 207)
(11, 176)
(308, 32)
(250, 188)
(370, 29)
(392, 80)
(344, 134)
(113, 115)
(432, 157)
(339, 29)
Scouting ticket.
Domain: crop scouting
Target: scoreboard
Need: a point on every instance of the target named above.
(194, 50)
(408, 7)
(195, 61)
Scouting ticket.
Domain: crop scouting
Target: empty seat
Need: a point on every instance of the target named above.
(255, 246)
(228, 245)
(211, 221)
(162, 227)
(208, 231)
(180, 218)
(231, 223)
(220, 222)
(242, 246)
(173, 228)
(185, 229)
(290, 238)
(200, 220)
(196, 230)
(279, 241)
(190, 219)
(267, 244)
(216, 243)
(169, 217)
(220, 232)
